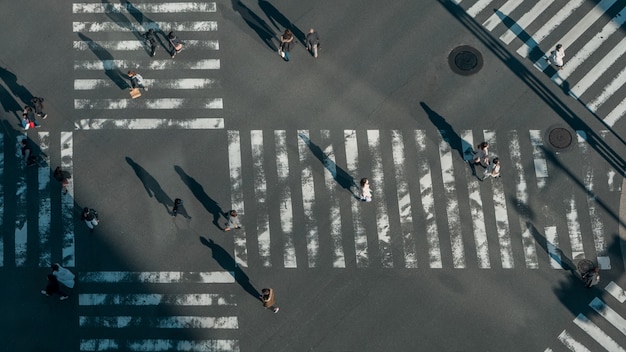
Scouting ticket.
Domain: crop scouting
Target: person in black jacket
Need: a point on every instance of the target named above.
(53, 287)
(151, 41)
(90, 216)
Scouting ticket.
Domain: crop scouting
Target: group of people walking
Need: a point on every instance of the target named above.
(481, 157)
(287, 42)
(31, 112)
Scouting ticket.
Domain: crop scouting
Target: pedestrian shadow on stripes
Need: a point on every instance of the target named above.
(555, 254)
(276, 16)
(344, 179)
(18, 90)
(151, 185)
(262, 29)
(464, 148)
(146, 23)
(227, 262)
(110, 69)
(198, 191)
(121, 20)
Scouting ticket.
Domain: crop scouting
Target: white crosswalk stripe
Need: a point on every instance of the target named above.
(587, 33)
(143, 313)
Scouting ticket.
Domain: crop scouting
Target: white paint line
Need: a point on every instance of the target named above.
(153, 299)
(571, 343)
(593, 75)
(149, 104)
(573, 228)
(494, 20)
(594, 331)
(478, 7)
(377, 182)
(539, 160)
(169, 322)
(67, 201)
(550, 25)
(150, 124)
(236, 196)
(609, 314)
(428, 201)
(45, 204)
(582, 26)
(157, 277)
(165, 7)
(404, 200)
(528, 18)
(476, 211)
(597, 227)
(608, 91)
(552, 240)
(159, 345)
(592, 45)
(361, 247)
(521, 202)
(308, 199)
(615, 114)
(260, 196)
(3, 236)
(21, 221)
(501, 215)
(616, 291)
(131, 45)
(452, 204)
(139, 65)
(108, 26)
(284, 193)
(154, 84)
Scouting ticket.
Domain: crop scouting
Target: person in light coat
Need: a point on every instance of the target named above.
(557, 56)
(63, 275)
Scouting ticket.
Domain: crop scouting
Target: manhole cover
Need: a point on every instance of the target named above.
(465, 60)
(585, 266)
(560, 138)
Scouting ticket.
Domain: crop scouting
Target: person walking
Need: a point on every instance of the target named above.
(493, 170)
(481, 156)
(592, 277)
(90, 217)
(38, 105)
(136, 80)
(151, 41)
(30, 158)
(312, 42)
(286, 43)
(62, 177)
(366, 193)
(233, 221)
(176, 45)
(63, 275)
(53, 287)
(269, 300)
(28, 118)
(557, 56)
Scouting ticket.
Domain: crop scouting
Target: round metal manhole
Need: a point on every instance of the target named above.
(585, 266)
(560, 138)
(465, 60)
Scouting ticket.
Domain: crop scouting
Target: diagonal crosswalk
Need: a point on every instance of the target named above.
(594, 43)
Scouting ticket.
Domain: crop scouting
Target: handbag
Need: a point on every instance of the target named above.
(135, 93)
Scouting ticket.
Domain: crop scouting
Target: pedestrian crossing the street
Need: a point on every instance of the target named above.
(429, 208)
(109, 42)
(160, 318)
(595, 337)
(591, 33)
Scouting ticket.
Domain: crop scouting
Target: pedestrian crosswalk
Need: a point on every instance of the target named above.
(607, 337)
(297, 193)
(590, 32)
(154, 312)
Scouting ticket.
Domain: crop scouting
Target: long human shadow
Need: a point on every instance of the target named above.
(107, 62)
(344, 179)
(262, 29)
(151, 185)
(10, 79)
(227, 262)
(145, 22)
(10, 105)
(276, 16)
(198, 191)
(557, 255)
(448, 134)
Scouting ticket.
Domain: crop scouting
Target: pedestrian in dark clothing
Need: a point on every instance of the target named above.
(29, 158)
(233, 221)
(38, 105)
(269, 301)
(179, 208)
(176, 45)
(136, 81)
(151, 41)
(28, 118)
(286, 43)
(90, 216)
(313, 42)
(53, 287)
(62, 177)
(592, 277)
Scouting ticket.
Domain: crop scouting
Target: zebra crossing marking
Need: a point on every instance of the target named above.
(552, 240)
(165, 7)
(159, 84)
(130, 45)
(45, 203)
(157, 277)
(68, 251)
(168, 322)
(352, 163)
(149, 124)
(108, 26)
(382, 218)
(236, 195)
(159, 345)
(21, 222)
(523, 22)
(452, 205)
(286, 208)
(308, 200)
(617, 292)
(153, 299)
(573, 228)
(609, 314)
(571, 343)
(178, 65)
(163, 103)
(597, 334)
(260, 197)
(494, 20)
